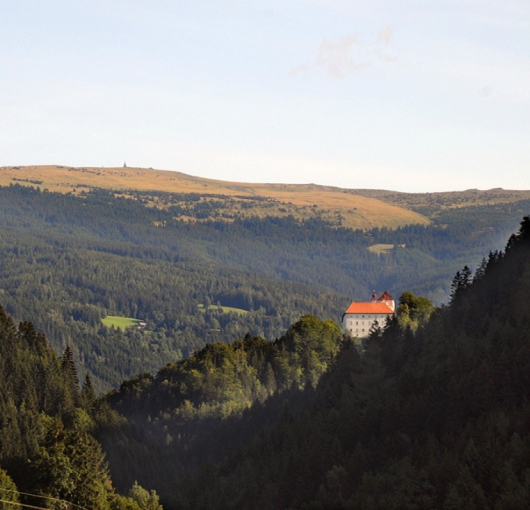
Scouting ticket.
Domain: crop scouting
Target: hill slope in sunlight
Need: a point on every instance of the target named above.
(339, 206)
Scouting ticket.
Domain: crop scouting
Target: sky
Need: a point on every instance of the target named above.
(415, 96)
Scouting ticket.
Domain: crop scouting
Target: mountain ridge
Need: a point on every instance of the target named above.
(301, 201)
(352, 208)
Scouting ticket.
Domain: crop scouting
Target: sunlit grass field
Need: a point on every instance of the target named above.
(226, 309)
(381, 248)
(120, 322)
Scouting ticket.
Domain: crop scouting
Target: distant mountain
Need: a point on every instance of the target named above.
(164, 188)
(352, 208)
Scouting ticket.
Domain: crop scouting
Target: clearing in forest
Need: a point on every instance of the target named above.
(120, 322)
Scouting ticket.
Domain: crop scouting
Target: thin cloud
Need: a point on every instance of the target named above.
(385, 37)
(349, 54)
(383, 41)
(336, 58)
(297, 71)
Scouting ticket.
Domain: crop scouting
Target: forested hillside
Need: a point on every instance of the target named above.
(49, 457)
(431, 412)
(96, 255)
(435, 416)
(196, 197)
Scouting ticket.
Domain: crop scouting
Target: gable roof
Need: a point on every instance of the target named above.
(385, 296)
(365, 308)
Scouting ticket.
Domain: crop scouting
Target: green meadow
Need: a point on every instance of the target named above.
(225, 309)
(381, 248)
(120, 322)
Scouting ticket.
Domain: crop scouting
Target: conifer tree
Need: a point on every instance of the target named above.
(461, 281)
(68, 365)
(71, 397)
(522, 237)
(70, 464)
(88, 395)
(8, 492)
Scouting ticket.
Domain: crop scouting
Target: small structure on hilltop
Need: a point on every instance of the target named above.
(360, 317)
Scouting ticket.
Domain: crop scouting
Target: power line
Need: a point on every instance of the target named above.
(23, 505)
(50, 498)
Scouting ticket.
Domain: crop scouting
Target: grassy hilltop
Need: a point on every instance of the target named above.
(351, 208)
(345, 207)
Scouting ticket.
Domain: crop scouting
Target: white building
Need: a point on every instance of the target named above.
(360, 317)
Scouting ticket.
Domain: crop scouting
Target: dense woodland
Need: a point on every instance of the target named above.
(432, 412)
(68, 261)
(48, 452)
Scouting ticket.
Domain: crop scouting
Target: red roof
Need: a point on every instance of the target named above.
(365, 308)
(385, 296)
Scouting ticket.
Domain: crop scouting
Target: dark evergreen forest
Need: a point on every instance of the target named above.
(272, 409)
(49, 457)
(430, 413)
(66, 262)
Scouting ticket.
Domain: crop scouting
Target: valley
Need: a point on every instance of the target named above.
(157, 256)
(430, 413)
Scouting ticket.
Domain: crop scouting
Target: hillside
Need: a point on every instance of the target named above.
(435, 417)
(432, 204)
(301, 201)
(432, 413)
(352, 208)
(195, 276)
(49, 457)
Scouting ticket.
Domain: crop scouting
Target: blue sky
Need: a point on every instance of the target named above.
(410, 95)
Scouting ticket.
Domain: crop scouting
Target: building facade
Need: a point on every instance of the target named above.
(360, 317)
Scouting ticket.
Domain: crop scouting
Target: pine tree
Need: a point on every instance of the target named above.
(461, 281)
(522, 237)
(8, 492)
(71, 395)
(70, 464)
(68, 365)
(88, 395)
(146, 500)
